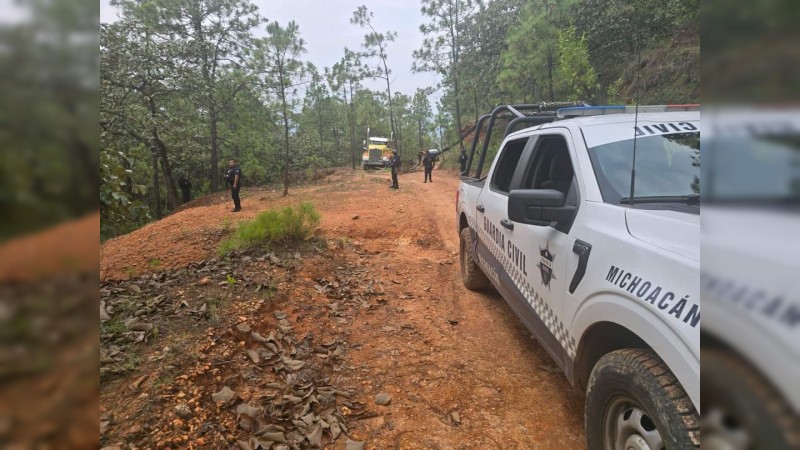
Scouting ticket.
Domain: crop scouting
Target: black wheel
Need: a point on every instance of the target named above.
(472, 275)
(634, 402)
(755, 417)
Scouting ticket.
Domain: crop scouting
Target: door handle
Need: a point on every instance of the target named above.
(480, 208)
(507, 224)
(582, 249)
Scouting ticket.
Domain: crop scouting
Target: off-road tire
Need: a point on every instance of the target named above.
(472, 275)
(749, 402)
(641, 377)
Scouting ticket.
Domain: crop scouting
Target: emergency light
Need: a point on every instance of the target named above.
(582, 111)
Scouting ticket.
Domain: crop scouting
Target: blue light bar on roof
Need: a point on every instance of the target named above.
(577, 111)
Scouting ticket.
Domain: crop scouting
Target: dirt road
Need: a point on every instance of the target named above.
(467, 353)
(461, 370)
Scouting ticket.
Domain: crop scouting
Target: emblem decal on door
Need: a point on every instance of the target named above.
(546, 265)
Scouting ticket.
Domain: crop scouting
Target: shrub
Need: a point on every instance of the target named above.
(285, 225)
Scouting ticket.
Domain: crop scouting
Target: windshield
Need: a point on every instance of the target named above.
(753, 169)
(667, 166)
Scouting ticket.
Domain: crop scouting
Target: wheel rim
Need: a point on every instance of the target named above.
(721, 431)
(627, 426)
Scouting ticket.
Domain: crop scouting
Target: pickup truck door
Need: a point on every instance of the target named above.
(511, 253)
(549, 251)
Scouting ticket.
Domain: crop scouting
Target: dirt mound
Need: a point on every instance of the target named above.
(72, 247)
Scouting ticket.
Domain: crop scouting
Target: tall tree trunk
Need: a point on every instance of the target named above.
(477, 107)
(156, 184)
(161, 150)
(81, 154)
(338, 139)
(399, 124)
(351, 122)
(172, 192)
(285, 133)
(391, 110)
(419, 129)
(454, 45)
(319, 127)
(550, 74)
(352, 138)
(212, 126)
(458, 114)
(352, 117)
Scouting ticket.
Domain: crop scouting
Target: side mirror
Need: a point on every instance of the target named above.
(539, 207)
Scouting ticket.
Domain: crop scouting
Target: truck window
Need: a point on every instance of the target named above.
(666, 165)
(551, 167)
(504, 172)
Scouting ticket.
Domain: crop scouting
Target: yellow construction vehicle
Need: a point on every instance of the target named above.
(377, 152)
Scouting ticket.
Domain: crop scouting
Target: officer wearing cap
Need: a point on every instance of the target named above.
(394, 163)
(427, 163)
(233, 179)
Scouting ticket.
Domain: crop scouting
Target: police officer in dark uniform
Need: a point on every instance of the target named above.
(233, 179)
(462, 160)
(186, 188)
(394, 163)
(427, 163)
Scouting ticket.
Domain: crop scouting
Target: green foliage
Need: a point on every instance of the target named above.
(375, 46)
(665, 31)
(230, 280)
(274, 226)
(530, 60)
(172, 104)
(442, 47)
(278, 60)
(48, 119)
(575, 77)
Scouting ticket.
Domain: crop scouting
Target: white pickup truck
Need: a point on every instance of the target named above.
(605, 275)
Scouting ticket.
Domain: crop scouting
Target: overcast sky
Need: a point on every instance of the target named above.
(10, 12)
(325, 26)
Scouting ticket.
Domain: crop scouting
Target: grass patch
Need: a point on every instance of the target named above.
(114, 326)
(230, 280)
(284, 225)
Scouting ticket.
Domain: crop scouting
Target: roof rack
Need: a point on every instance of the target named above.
(533, 114)
(546, 112)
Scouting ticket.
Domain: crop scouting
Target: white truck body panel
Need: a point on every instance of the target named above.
(643, 271)
(750, 290)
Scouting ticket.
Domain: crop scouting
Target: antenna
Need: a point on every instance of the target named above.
(636, 112)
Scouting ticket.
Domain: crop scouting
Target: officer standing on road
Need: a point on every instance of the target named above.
(427, 163)
(462, 160)
(394, 163)
(233, 179)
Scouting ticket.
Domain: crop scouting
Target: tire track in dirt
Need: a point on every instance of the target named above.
(470, 355)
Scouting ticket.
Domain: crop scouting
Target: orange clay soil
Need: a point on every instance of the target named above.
(69, 247)
(461, 369)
